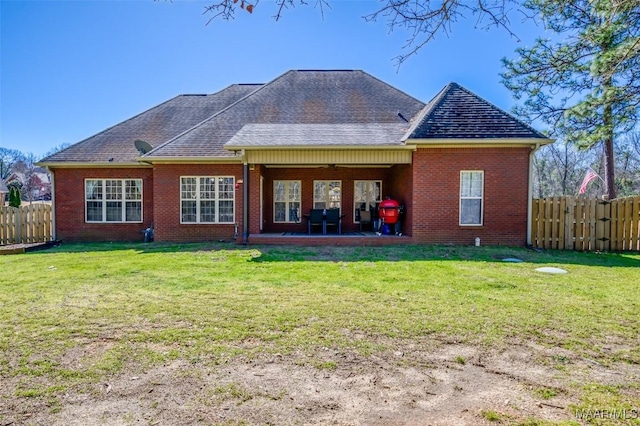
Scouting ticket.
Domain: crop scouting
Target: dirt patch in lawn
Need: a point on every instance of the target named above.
(415, 383)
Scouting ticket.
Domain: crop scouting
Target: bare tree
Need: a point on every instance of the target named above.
(32, 180)
(558, 169)
(628, 164)
(8, 158)
(423, 19)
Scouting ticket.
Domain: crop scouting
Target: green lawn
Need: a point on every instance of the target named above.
(211, 303)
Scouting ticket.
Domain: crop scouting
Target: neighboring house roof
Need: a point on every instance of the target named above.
(297, 97)
(3, 187)
(37, 177)
(457, 113)
(155, 126)
(317, 135)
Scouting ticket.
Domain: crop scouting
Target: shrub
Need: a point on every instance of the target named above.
(14, 197)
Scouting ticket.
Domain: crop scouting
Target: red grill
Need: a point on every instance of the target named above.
(389, 210)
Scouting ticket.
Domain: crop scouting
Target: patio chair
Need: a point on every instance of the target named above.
(315, 218)
(334, 219)
(365, 219)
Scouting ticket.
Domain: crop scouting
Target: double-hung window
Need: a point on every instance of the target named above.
(286, 200)
(327, 194)
(209, 199)
(366, 195)
(471, 197)
(113, 200)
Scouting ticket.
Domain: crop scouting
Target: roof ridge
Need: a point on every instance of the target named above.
(428, 109)
(325, 70)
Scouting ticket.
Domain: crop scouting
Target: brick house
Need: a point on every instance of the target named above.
(251, 161)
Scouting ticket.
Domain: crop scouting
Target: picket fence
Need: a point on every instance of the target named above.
(26, 224)
(586, 224)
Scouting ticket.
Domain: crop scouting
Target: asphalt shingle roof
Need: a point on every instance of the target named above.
(457, 113)
(305, 135)
(298, 97)
(155, 126)
(298, 108)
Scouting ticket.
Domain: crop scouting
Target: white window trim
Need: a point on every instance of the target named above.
(287, 201)
(355, 183)
(123, 200)
(216, 199)
(481, 198)
(327, 201)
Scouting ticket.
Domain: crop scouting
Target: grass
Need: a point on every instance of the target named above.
(148, 304)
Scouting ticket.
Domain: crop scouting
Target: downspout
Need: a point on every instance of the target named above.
(53, 205)
(245, 200)
(530, 192)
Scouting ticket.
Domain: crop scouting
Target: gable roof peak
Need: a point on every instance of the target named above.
(458, 113)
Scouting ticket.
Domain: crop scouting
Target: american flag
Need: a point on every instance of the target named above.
(588, 177)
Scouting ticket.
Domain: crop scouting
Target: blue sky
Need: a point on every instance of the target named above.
(70, 69)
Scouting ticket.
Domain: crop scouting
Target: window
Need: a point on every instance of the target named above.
(367, 194)
(471, 197)
(286, 200)
(326, 194)
(113, 200)
(207, 199)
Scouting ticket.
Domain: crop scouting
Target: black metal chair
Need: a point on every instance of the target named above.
(315, 218)
(334, 219)
(365, 218)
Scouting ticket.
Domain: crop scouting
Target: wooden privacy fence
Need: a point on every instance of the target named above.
(586, 224)
(26, 224)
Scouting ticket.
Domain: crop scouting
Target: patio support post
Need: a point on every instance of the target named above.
(245, 203)
(54, 236)
(530, 192)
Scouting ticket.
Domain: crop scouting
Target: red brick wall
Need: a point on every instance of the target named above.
(429, 189)
(436, 188)
(166, 190)
(70, 205)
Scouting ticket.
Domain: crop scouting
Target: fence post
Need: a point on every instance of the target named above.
(602, 220)
(3, 225)
(569, 223)
(635, 245)
(534, 222)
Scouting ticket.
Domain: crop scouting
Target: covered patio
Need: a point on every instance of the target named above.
(296, 169)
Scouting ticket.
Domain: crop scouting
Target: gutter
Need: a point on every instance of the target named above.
(91, 165)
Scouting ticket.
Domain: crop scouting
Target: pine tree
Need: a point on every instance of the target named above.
(583, 82)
